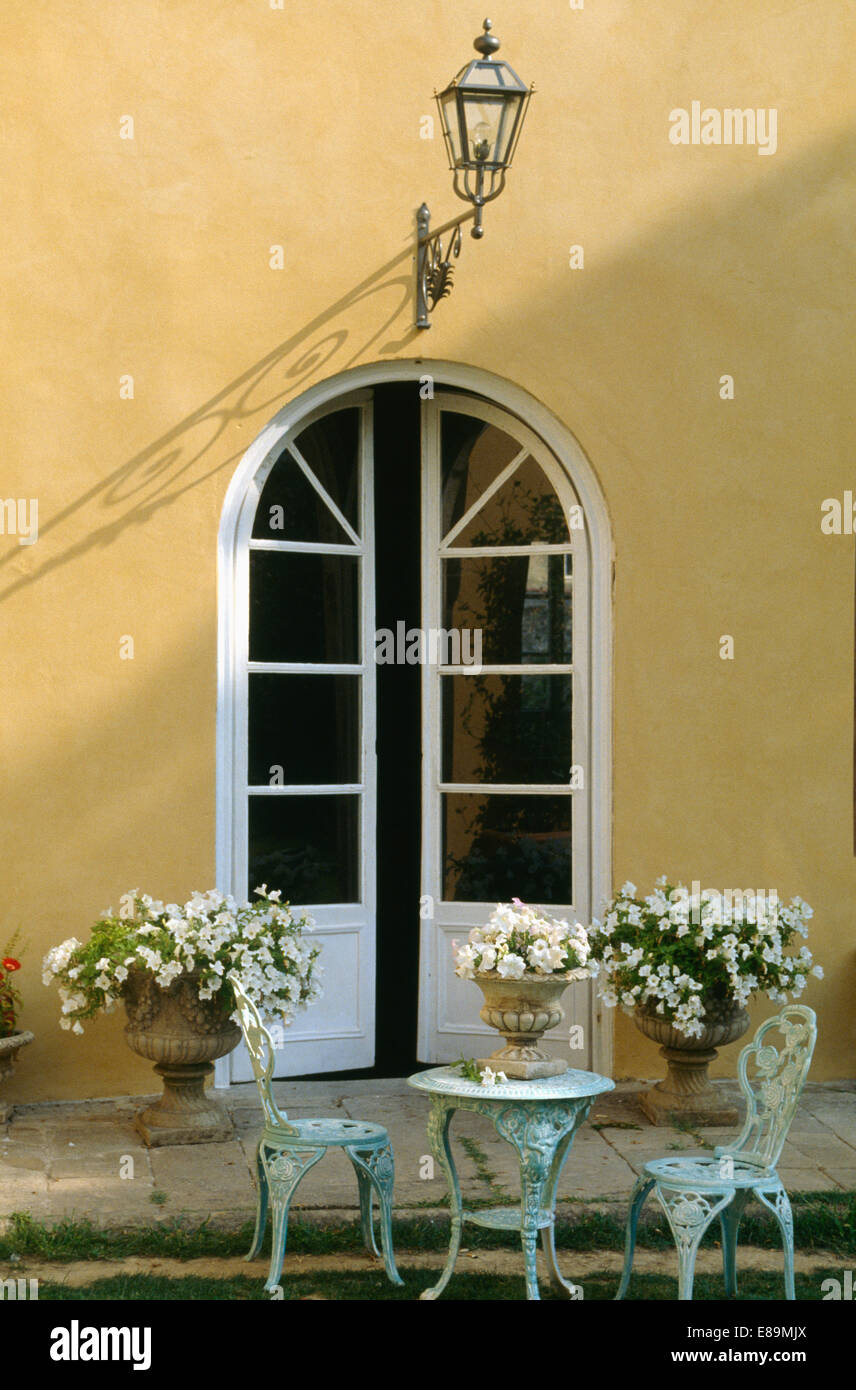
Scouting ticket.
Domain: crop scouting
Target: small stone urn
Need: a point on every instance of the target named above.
(183, 1035)
(523, 1010)
(687, 1092)
(9, 1048)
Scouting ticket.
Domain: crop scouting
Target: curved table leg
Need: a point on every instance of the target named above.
(438, 1137)
(537, 1133)
(548, 1233)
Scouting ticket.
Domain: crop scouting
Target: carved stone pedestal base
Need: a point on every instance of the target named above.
(518, 1070)
(9, 1048)
(687, 1095)
(184, 1114)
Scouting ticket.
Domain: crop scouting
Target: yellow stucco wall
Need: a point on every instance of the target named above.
(300, 127)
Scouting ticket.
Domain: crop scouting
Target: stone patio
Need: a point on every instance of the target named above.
(85, 1160)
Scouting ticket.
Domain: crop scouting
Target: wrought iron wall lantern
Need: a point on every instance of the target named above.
(481, 113)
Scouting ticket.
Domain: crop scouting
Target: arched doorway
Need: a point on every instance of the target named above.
(414, 696)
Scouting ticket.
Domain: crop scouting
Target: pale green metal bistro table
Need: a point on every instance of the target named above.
(539, 1119)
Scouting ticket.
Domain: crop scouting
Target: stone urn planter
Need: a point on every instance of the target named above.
(183, 1035)
(9, 1049)
(687, 1092)
(522, 1011)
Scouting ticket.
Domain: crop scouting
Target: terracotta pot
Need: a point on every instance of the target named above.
(9, 1049)
(687, 1092)
(522, 1011)
(183, 1035)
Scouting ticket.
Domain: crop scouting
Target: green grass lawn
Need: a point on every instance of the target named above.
(371, 1287)
(822, 1221)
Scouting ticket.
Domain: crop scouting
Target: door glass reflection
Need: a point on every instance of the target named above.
(303, 607)
(509, 728)
(306, 846)
(521, 605)
(473, 455)
(524, 510)
(499, 847)
(303, 729)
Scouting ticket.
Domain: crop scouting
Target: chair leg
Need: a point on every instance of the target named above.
(379, 1169)
(689, 1214)
(640, 1192)
(776, 1200)
(729, 1222)
(261, 1207)
(283, 1175)
(277, 1247)
(366, 1213)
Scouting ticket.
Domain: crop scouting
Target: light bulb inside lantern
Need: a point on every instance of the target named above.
(481, 140)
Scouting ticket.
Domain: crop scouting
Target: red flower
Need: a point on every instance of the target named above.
(10, 964)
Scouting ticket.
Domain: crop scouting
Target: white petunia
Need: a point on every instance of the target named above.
(511, 966)
(489, 1077)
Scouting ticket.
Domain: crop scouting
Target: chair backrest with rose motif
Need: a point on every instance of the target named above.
(772, 1078)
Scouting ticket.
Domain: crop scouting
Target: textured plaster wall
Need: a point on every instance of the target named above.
(255, 127)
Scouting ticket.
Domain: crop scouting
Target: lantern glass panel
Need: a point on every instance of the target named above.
(490, 123)
(451, 126)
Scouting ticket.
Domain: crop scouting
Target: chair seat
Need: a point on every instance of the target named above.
(709, 1173)
(326, 1133)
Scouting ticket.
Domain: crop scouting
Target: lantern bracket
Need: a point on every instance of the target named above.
(434, 265)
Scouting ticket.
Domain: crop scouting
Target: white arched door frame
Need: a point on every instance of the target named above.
(569, 454)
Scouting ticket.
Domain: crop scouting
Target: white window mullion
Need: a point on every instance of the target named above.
(463, 552)
(305, 789)
(508, 788)
(305, 668)
(308, 547)
(432, 714)
(507, 670)
(368, 700)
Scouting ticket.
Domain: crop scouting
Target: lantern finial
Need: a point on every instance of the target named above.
(487, 43)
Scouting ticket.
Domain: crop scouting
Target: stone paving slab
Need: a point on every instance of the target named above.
(826, 1149)
(807, 1180)
(190, 1173)
(63, 1159)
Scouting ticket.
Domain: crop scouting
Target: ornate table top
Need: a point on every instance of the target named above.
(570, 1085)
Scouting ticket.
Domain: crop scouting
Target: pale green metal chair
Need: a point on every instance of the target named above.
(694, 1190)
(289, 1148)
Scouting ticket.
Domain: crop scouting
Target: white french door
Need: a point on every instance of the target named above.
(304, 752)
(505, 802)
(503, 744)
